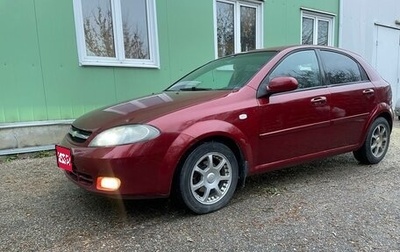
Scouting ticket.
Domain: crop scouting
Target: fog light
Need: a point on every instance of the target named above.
(108, 184)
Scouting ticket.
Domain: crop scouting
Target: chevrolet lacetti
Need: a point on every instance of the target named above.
(233, 117)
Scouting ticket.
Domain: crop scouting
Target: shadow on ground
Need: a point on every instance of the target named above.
(264, 185)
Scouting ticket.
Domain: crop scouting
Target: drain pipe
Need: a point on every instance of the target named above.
(340, 23)
(34, 124)
(27, 150)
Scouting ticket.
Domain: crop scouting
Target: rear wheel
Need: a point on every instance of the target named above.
(376, 144)
(208, 177)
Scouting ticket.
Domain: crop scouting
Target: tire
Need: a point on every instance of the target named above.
(358, 156)
(206, 186)
(376, 143)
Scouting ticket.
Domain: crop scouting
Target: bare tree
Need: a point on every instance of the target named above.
(99, 37)
(308, 31)
(225, 30)
(248, 28)
(323, 32)
(135, 48)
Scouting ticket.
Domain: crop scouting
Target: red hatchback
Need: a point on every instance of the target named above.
(233, 117)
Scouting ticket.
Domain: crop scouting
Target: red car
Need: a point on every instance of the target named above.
(233, 117)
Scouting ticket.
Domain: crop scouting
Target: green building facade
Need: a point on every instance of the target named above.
(60, 59)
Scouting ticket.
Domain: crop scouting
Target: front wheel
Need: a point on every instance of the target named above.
(376, 144)
(208, 177)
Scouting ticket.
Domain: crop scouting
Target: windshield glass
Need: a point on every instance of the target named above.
(227, 73)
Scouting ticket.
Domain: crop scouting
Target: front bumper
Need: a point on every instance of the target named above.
(140, 167)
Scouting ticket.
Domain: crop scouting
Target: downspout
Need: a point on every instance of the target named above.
(340, 41)
(27, 150)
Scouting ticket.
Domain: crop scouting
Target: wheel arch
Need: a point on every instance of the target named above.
(388, 118)
(211, 131)
(230, 143)
(382, 110)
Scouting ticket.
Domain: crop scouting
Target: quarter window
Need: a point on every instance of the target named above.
(116, 32)
(303, 66)
(238, 26)
(340, 68)
(317, 29)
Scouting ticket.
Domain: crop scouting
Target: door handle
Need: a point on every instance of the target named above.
(368, 91)
(318, 100)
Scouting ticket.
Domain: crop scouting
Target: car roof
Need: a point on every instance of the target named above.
(289, 48)
(295, 47)
(371, 72)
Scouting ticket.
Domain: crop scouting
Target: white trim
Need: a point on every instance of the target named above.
(215, 29)
(340, 23)
(118, 34)
(27, 150)
(318, 11)
(237, 29)
(35, 124)
(152, 22)
(119, 59)
(237, 4)
(387, 26)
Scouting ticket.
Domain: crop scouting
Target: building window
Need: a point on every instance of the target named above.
(317, 28)
(116, 32)
(238, 26)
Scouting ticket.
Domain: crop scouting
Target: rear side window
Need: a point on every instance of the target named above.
(340, 68)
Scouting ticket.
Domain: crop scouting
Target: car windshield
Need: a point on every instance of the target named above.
(227, 73)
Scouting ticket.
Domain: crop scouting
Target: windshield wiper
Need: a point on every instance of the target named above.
(194, 89)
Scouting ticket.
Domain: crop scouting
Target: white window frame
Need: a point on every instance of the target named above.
(318, 16)
(258, 5)
(119, 59)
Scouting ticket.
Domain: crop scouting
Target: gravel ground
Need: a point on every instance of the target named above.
(329, 205)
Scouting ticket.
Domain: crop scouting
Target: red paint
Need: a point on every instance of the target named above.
(277, 130)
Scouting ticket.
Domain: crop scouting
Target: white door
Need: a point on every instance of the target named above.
(387, 57)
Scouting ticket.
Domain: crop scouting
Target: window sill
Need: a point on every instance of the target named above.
(119, 64)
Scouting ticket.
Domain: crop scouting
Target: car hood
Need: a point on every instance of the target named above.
(144, 109)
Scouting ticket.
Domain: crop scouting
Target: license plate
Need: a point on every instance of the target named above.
(64, 158)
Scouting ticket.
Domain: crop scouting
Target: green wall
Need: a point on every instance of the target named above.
(40, 78)
(282, 19)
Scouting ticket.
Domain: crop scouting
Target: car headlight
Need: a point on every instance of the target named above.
(124, 135)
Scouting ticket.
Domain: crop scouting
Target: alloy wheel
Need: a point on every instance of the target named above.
(379, 140)
(211, 178)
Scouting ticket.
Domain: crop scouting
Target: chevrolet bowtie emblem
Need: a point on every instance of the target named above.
(76, 134)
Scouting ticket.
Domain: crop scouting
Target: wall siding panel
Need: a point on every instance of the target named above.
(21, 85)
(40, 78)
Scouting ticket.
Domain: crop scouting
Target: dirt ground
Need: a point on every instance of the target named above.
(334, 204)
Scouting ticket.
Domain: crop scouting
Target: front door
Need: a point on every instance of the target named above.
(294, 124)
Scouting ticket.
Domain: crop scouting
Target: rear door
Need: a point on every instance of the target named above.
(352, 97)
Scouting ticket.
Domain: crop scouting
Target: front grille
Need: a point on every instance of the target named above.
(81, 178)
(78, 135)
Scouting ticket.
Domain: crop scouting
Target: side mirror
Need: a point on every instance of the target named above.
(282, 84)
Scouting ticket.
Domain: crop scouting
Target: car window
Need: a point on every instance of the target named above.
(339, 68)
(230, 72)
(303, 66)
